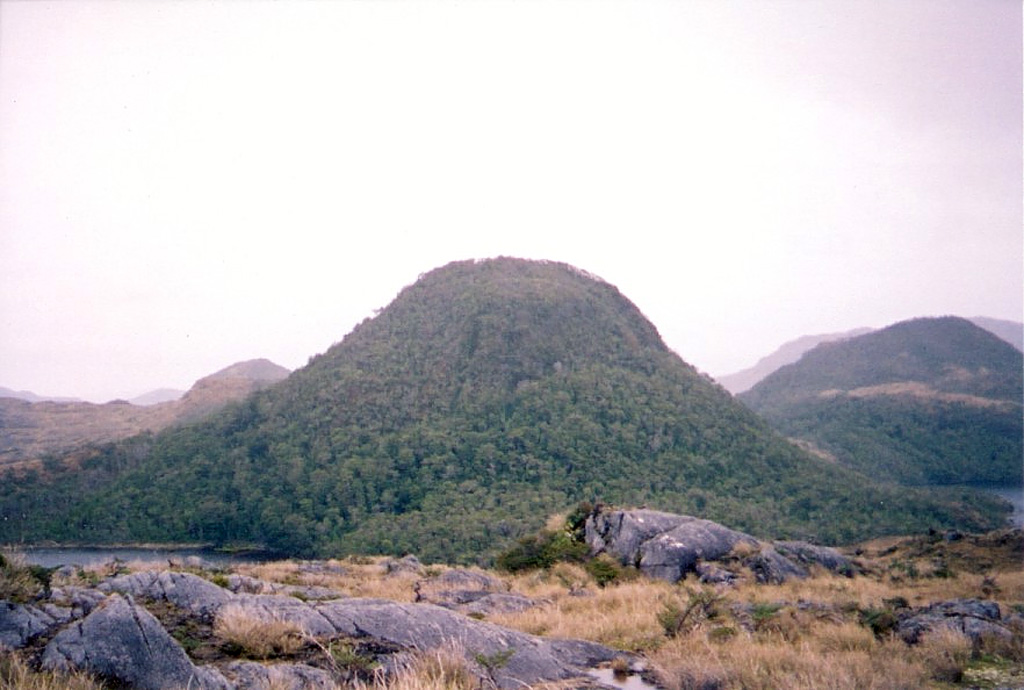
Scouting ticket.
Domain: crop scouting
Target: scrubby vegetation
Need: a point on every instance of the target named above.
(486, 396)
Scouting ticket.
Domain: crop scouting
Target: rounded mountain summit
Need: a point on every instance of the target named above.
(486, 396)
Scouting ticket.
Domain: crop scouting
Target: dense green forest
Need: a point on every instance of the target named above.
(960, 423)
(485, 397)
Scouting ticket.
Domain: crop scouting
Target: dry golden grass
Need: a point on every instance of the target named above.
(15, 674)
(623, 617)
(256, 637)
(440, 669)
(360, 577)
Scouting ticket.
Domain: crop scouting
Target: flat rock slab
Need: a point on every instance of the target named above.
(123, 642)
(516, 658)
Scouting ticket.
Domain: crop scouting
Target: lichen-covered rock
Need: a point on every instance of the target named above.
(184, 590)
(123, 642)
(19, 623)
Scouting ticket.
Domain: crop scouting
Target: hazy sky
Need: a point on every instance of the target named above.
(184, 185)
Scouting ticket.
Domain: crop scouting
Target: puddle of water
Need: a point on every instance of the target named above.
(608, 677)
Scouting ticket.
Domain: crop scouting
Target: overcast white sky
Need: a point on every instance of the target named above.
(184, 185)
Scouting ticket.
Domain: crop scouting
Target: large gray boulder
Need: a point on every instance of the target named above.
(669, 547)
(672, 554)
(184, 590)
(621, 533)
(123, 642)
(515, 659)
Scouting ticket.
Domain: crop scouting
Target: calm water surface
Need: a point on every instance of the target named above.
(1013, 494)
(52, 557)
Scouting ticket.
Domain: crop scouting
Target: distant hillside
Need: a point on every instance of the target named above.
(486, 396)
(31, 431)
(155, 397)
(786, 354)
(1010, 331)
(29, 396)
(927, 401)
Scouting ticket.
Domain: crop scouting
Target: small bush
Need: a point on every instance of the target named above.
(21, 582)
(541, 551)
(880, 621)
(676, 617)
(605, 570)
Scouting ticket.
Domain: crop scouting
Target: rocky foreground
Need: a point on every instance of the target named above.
(180, 627)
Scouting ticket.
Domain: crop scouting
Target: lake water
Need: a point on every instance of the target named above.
(52, 557)
(1013, 494)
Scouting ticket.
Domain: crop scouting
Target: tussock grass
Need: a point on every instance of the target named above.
(254, 637)
(16, 674)
(441, 669)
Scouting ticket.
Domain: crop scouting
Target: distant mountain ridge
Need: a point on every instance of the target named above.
(486, 396)
(925, 401)
(791, 351)
(786, 354)
(29, 396)
(31, 430)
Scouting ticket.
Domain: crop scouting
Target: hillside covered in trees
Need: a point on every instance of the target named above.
(926, 401)
(488, 395)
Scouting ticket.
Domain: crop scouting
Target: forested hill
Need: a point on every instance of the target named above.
(488, 395)
(934, 400)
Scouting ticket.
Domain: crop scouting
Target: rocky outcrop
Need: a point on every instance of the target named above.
(20, 623)
(123, 642)
(109, 632)
(669, 547)
(974, 618)
(471, 592)
(184, 590)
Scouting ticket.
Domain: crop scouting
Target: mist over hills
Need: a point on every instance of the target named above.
(926, 401)
(486, 396)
